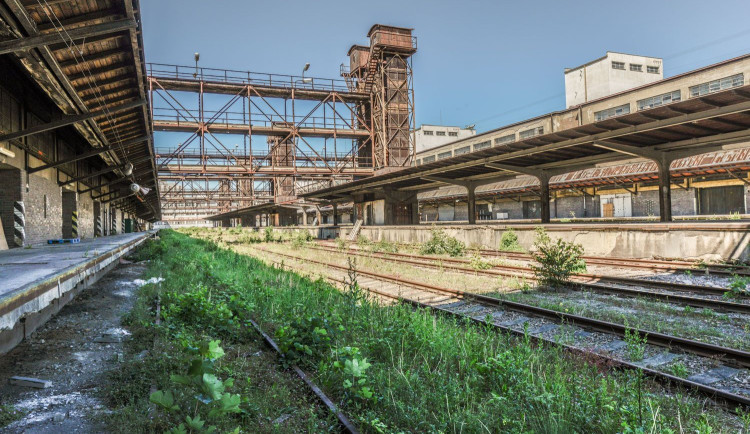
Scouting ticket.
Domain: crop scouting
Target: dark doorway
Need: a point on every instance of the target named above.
(402, 214)
(721, 200)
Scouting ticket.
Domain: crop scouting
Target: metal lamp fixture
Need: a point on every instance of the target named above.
(197, 58)
(306, 80)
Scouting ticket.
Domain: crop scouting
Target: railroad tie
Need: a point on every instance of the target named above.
(19, 223)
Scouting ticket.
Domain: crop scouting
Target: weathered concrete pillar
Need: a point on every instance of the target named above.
(318, 215)
(304, 216)
(472, 204)
(335, 214)
(665, 189)
(544, 196)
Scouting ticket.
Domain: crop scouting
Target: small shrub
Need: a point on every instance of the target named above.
(301, 238)
(341, 244)
(739, 285)
(383, 246)
(268, 234)
(441, 244)
(556, 260)
(478, 263)
(363, 241)
(509, 242)
(679, 370)
(636, 345)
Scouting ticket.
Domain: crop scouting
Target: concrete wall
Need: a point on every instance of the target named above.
(707, 241)
(85, 216)
(43, 204)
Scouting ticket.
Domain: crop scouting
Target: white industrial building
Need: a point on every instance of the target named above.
(432, 136)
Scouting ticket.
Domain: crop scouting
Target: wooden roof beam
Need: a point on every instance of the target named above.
(67, 120)
(31, 42)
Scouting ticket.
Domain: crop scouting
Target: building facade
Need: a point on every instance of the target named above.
(708, 184)
(432, 136)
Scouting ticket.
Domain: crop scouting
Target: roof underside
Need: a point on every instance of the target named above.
(695, 123)
(96, 73)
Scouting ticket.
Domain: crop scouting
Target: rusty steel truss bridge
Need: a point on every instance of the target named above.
(238, 139)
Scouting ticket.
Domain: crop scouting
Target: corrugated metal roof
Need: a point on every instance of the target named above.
(735, 159)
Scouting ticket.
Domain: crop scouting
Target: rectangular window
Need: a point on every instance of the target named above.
(446, 154)
(439, 133)
(484, 145)
(510, 138)
(461, 151)
(652, 69)
(635, 67)
(612, 112)
(429, 159)
(717, 85)
(427, 133)
(538, 131)
(618, 65)
(656, 101)
(453, 133)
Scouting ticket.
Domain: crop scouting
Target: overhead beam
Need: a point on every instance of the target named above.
(83, 156)
(69, 120)
(21, 44)
(103, 171)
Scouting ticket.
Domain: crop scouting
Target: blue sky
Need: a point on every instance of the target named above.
(484, 62)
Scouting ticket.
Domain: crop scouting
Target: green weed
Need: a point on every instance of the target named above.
(556, 260)
(441, 243)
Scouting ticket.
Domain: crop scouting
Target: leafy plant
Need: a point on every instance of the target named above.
(383, 246)
(341, 244)
(300, 239)
(268, 234)
(509, 241)
(556, 260)
(678, 369)
(441, 243)
(739, 286)
(478, 263)
(201, 383)
(307, 338)
(352, 367)
(636, 344)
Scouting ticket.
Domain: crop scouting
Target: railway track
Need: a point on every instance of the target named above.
(583, 281)
(655, 265)
(490, 311)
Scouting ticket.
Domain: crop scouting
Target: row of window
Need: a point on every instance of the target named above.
(440, 133)
(674, 96)
(635, 67)
(536, 131)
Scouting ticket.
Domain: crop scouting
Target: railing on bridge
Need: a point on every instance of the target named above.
(191, 73)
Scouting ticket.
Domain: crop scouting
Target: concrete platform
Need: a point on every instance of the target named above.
(709, 241)
(36, 283)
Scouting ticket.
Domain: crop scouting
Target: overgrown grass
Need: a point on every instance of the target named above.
(390, 368)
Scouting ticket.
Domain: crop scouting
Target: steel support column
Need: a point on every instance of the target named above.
(471, 203)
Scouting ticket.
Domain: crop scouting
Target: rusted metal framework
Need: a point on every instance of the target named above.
(297, 134)
(312, 131)
(384, 71)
